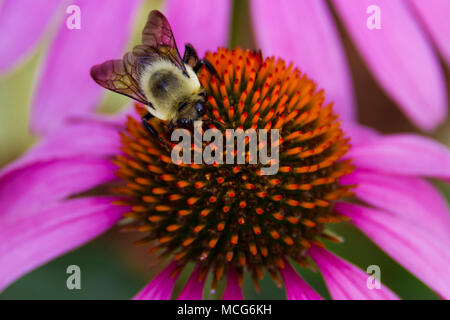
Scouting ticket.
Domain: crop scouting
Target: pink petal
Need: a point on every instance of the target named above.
(233, 290)
(41, 185)
(193, 290)
(344, 280)
(406, 154)
(65, 87)
(206, 27)
(160, 288)
(36, 239)
(435, 16)
(359, 134)
(93, 137)
(21, 28)
(400, 57)
(413, 199)
(415, 248)
(303, 32)
(296, 287)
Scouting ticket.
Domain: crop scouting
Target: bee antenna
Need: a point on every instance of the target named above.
(217, 122)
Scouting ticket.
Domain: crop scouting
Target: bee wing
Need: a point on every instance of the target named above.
(158, 34)
(120, 76)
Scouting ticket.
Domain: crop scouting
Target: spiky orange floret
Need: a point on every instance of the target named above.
(222, 215)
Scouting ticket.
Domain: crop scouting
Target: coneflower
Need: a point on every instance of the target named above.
(228, 218)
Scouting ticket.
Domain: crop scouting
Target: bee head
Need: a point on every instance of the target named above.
(190, 109)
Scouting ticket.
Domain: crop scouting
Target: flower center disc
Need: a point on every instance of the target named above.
(225, 215)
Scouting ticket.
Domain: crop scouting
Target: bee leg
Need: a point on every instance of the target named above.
(150, 128)
(190, 55)
(208, 66)
(191, 58)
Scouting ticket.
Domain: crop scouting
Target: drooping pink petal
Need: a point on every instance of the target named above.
(193, 290)
(303, 32)
(296, 287)
(41, 185)
(400, 57)
(435, 16)
(65, 87)
(36, 239)
(233, 290)
(160, 288)
(415, 248)
(359, 134)
(79, 137)
(21, 26)
(346, 281)
(206, 26)
(413, 199)
(406, 154)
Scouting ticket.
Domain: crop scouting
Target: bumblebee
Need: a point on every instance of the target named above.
(154, 74)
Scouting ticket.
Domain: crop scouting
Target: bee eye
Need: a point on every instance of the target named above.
(182, 106)
(200, 108)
